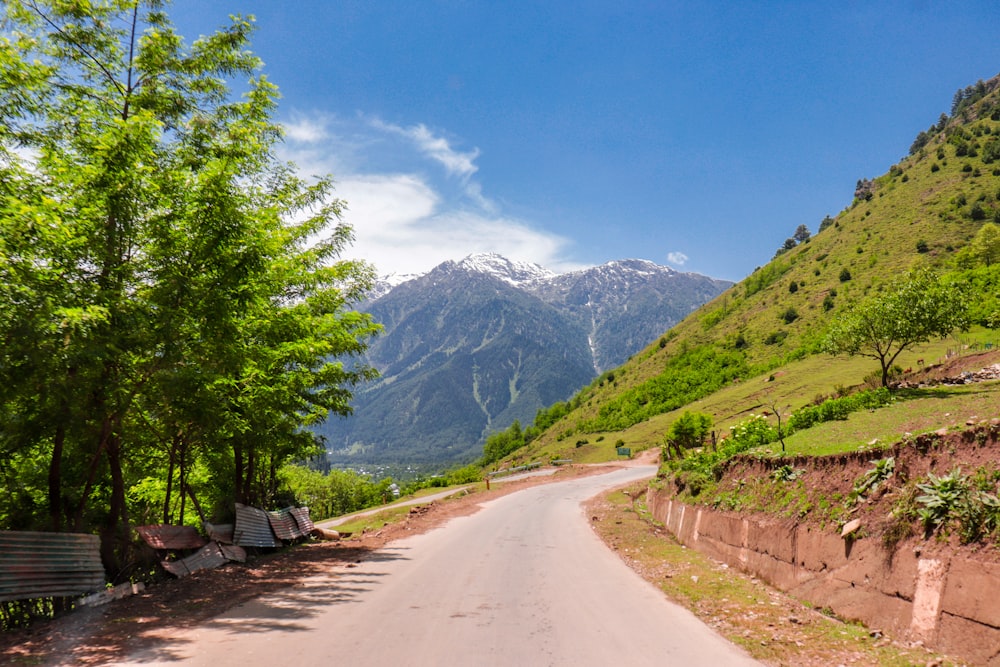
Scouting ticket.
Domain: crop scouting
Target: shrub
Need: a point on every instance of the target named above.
(828, 303)
(793, 287)
(785, 473)
(775, 337)
(687, 432)
(922, 246)
(845, 275)
(838, 408)
(941, 496)
(790, 315)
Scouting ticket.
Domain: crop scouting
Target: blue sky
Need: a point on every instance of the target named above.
(694, 134)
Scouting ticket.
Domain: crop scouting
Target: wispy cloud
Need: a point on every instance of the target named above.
(677, 258)
(408, 218)
(305, 129)
(439, 149)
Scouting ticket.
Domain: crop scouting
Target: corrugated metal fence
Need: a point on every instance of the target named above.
(36, 565)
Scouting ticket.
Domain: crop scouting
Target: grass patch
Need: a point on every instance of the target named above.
(915, 411)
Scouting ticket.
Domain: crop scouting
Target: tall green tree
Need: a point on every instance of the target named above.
(985, 246)
(173, 296)
(913, 310)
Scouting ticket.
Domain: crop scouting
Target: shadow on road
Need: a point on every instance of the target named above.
(274, 592)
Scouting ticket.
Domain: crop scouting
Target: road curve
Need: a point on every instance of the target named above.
(524, 581)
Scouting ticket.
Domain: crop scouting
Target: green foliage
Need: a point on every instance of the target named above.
(789, 315)
(966, 97)
(687, 432)
(941, 498)
(762, 277)
(785, 473)
(775, 337)
(690, 375)
(984, 283)
(175, 289)
(916, 308)
(881, 470)
(695, 473)
(503, 443)
(985, 246)
(845, 275)
(838, 408)
(334, 493)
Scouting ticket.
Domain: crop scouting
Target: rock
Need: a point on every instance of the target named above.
(850, 527)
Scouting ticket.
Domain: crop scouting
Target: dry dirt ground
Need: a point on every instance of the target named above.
(773, 627)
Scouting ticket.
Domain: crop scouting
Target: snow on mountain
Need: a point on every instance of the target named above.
(473, 345)
(513, 272)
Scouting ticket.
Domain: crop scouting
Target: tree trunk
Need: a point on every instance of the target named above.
(115, 540)
(194, 501)
(238, 471)
(170, 480)
(55, 478)
(183, 478)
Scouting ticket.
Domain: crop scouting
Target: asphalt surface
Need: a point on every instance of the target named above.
(524, 581)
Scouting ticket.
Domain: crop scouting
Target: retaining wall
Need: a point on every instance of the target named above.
(948, 602)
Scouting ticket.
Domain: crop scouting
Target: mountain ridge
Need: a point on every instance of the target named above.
(474, 345)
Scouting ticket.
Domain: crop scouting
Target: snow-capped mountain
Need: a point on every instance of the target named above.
(473, 345)
(518, 274)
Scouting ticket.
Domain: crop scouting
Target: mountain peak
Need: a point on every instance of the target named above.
(510, 271)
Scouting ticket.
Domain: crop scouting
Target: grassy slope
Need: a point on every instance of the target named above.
(920, 199)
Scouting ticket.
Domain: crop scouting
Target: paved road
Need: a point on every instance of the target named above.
(423, 500)
(523, 582)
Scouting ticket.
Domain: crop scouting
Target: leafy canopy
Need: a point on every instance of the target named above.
(915, 309)
(174, 308)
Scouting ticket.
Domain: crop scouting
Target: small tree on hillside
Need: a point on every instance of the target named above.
(916, 309)
(802, 234)
(985, 247)
(689, 431)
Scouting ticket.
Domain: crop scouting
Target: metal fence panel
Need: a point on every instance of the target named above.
(253, 528)
(37, 565)
(208, 557)
(305, 523)
(163, 536)
(283, 524)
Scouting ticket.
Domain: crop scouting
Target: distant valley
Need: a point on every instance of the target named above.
(472, 346)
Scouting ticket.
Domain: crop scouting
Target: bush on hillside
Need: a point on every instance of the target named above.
(692, 374)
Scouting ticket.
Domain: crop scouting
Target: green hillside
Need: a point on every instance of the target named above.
(759, 343)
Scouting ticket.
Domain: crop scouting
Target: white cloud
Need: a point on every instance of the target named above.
(677, 258)
(438, 149)
(405, 219)
(305, 129)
